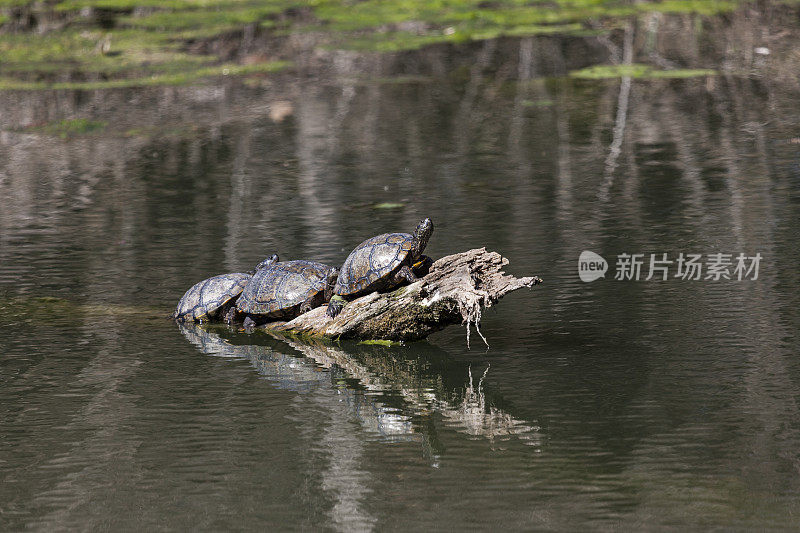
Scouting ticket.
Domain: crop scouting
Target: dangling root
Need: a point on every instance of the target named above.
(471, 312)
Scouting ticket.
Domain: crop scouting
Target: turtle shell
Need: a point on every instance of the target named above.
(208, 296)
(278, 290)
(371, 263)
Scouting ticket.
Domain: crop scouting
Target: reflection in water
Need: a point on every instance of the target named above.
(390, 400)
(478, 419)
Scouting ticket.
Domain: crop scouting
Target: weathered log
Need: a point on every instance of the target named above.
(455, 290)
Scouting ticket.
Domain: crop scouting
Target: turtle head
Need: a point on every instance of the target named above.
(267, 262)
(421, 236)
(330, 282)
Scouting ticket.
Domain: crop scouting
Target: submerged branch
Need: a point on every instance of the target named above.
(454, 292)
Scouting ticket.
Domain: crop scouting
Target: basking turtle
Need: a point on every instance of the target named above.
(382, 263)
(213, 297)
(287, 289)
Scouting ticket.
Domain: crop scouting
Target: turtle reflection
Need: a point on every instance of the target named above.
(397, 395)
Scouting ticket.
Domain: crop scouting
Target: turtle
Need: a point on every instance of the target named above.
(381, 263)
(286, 290)
(213, 297)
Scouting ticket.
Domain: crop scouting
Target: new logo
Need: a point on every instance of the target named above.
(591, 266)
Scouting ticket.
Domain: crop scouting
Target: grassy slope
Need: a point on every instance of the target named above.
(147, 44)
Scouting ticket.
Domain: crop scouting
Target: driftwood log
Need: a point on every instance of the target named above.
(455, 290)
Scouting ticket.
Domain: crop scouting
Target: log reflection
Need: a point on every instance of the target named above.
(394, 393)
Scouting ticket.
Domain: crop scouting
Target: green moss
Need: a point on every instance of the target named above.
(127, 53)
(457, 21)
(63, 46)
(69, 127)
(127, 5)
(700, 7)
(637, 71)
(195, 23)
(141, 51)
(381, 342)
(682, 73)
(273, 329)
(180, 78)
(149, 48)
(467, 19)
(537, 103)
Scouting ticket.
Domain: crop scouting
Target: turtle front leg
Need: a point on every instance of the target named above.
(405, 274)
(335, 305)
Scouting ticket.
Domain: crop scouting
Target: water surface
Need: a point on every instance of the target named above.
(642, 405)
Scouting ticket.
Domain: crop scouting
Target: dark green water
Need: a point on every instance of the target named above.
(606, 405)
